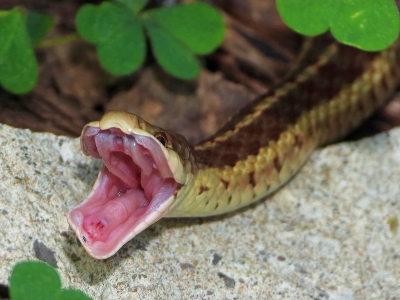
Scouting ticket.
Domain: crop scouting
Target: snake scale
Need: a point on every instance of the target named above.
(150, 172)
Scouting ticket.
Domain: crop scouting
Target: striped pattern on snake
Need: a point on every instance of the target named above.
(151, 173)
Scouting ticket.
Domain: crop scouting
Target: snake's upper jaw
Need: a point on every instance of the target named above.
(134, 189)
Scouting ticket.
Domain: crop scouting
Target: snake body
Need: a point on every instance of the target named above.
(255, 153)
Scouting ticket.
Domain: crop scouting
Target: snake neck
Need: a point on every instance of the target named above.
(265, 144)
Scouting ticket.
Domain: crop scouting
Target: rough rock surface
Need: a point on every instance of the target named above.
(329, 234)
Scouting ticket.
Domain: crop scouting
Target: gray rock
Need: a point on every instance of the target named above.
(326, 235)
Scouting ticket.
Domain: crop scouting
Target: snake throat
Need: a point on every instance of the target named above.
(132, 191)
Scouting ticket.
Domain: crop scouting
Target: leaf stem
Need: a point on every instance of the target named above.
(59, 40)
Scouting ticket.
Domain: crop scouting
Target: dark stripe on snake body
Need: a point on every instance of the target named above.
(319, 84)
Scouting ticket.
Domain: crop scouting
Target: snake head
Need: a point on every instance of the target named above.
(144, 168)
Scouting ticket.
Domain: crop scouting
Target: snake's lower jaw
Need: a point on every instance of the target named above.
(105, 231)
(134, 190)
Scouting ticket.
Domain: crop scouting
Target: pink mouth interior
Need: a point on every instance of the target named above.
(134, 181)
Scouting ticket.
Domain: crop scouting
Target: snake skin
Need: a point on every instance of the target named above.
(266, 143)
(330, 92)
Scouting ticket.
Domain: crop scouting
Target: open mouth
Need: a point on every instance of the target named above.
(134, 189)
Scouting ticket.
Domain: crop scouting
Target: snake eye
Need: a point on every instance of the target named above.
(161, 137)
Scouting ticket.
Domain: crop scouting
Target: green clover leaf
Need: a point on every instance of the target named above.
(176, 35)
(179, 32)
(196, 25)
(118, 34)
(35, 280)
(38, 25)
(371, 25)
(18, 67)
(173, 56)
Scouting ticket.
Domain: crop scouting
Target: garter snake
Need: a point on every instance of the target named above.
(150, 172)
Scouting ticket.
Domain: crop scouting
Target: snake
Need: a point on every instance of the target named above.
(149, 173)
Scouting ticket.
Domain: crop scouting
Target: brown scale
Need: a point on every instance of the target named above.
(320, 87)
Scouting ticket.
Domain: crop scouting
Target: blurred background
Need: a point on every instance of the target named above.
(73, 88)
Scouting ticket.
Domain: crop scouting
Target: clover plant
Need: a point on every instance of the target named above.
(120, 29)
(371, 25)
(36, 280)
